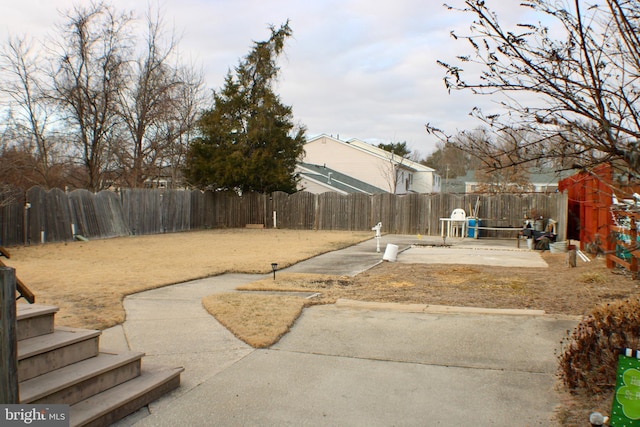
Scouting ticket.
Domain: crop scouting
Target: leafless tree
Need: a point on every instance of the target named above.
(91, 58)
(147, 104)
(390, 172)
(449, 160)
(395, 173)
(582, 61)
(127, 108)
(29, 112)
(512, 178)
(393, 169)
(188, 101)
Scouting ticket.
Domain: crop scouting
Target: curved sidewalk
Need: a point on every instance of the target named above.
(348, 363)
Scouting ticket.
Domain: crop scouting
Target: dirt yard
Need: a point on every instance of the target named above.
(557, 289)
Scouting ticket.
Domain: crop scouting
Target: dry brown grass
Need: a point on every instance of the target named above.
(557, 289)
(258, 320)
(325, 284)
(88, 280)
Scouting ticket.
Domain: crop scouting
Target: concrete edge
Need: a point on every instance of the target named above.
(391, 306)
(478, 310)
(444, 309)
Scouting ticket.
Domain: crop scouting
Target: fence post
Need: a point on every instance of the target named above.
(8, 337)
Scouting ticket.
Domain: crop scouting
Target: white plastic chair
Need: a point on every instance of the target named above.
(458, 221)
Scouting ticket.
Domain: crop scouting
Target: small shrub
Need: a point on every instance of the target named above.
(589, 354)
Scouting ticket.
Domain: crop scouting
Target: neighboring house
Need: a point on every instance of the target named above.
(547, 181)
(166, 178)
(319, 179)
(372, 165)
(539, 181)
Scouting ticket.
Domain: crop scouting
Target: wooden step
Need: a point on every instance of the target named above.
(34, 320)
(45, 353)
(71, 384)
(116, 403)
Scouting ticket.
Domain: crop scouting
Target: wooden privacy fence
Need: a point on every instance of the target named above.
(53, 216)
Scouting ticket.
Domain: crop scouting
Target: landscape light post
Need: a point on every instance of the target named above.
(274, 267)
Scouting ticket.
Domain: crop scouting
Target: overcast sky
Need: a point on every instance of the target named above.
(361, 69)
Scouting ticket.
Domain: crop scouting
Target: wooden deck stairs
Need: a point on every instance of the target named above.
(61, 365)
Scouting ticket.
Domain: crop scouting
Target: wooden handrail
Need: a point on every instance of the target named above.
(22, 289)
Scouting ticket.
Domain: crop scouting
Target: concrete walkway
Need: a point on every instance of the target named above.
(350, 363)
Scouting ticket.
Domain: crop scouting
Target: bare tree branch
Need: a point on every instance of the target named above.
(585, 69)
(92, 57)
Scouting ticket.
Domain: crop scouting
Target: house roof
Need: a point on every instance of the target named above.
(537, 176)
(545, 176)
(336, 181)
(378, 152)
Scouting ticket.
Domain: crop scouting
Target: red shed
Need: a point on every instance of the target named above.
(590, 198)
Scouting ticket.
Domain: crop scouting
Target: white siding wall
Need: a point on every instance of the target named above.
(423, 176)
(422, 182)
(369, 164)
(348, 160)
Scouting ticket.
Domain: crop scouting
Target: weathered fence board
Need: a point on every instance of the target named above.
(361, 213)
(36, 203)
(112, 218)
(49, 216)
(175, 211)
(383, 209)
(292, 211)
(84, 214)
(58, 216)
(198, 210)
(12, 222)
(54, 215)
(249, 209)
(332, 213)
(142, 210)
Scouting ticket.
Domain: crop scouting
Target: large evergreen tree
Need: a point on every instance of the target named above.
(248, 140)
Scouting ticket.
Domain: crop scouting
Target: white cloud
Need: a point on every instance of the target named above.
(360, 69)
